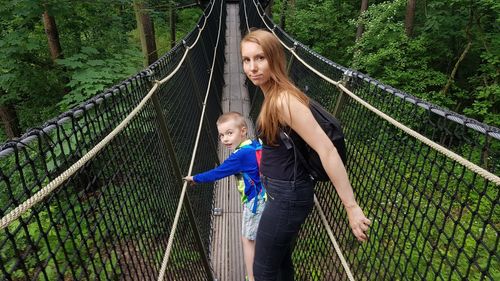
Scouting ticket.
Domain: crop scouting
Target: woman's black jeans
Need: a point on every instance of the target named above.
(287, 208)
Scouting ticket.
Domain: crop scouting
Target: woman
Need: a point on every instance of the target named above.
(290, 189)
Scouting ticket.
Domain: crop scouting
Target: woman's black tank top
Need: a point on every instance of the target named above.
(278, 162)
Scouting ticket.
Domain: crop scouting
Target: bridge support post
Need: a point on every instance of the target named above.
(339, 105)
(217, 74)
(172, 14)
(290, 62)
(162, 124)
(200, 103)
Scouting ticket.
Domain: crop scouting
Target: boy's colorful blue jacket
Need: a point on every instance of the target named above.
(242, 161)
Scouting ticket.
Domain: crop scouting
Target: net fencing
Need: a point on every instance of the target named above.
(111, 219)
(432, 217)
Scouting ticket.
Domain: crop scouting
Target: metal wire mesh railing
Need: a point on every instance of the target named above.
(433, 218)
(111, 220)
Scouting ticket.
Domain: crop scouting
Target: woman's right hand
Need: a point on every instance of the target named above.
(358, 221)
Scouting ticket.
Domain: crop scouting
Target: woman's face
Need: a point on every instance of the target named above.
(255, 63)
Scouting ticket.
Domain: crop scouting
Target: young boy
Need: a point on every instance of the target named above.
(243, 163)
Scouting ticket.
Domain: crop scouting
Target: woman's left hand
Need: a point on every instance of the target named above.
(358, 222)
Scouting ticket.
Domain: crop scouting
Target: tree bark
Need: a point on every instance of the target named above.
(284, 7)
(462, 56)
(269, 10)
(172, 20)
(49, 23)
(455, 68)
(50, 26)
(410, 17)
(8, 117)
(361, 28)
(146, 32)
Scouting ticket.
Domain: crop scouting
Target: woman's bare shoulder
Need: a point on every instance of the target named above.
(290, 107)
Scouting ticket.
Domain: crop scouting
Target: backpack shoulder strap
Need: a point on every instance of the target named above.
(298, 155)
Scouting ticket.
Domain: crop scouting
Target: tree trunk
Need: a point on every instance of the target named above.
(8, 117)
(361, 28)
(284, 8)
(410, 17)
(455, 68)
(50, 26)
(462, 56)
(146, 32)
(49, 23)
(269, 7)
(172, 20)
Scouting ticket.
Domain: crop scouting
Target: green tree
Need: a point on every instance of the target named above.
(449, 61)
(91, 58)
(445, 52)
(386, 53)
(360, 29)
(322, 25)
(29, 82)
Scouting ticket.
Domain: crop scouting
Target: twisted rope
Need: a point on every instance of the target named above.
(166, 256)
(52, 185)
(448, 153)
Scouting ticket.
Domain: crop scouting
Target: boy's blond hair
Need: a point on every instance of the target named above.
(234, 116)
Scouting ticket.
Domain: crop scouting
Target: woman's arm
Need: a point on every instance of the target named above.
(299, 117)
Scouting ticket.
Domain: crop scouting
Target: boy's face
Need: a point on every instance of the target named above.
(230, 134)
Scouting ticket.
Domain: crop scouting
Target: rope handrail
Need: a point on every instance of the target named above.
(464, 162)
(318, 206)
(433, 218)
(450, 115)
(166, 257)
(52, 185)
(24, 141)
(448, 153)
(246, 15)
(332, 238)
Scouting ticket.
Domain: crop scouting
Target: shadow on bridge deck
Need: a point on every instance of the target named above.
(227, 252)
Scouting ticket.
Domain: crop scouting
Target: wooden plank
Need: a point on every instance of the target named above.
(227, 251)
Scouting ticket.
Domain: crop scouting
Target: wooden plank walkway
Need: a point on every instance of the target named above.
(227, 252)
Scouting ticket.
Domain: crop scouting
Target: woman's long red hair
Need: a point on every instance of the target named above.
(279, 87)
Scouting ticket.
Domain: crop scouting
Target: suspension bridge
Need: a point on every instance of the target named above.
(97, 193)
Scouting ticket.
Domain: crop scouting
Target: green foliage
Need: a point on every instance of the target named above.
(81, 23)
(94, 58)
(187, 19)
(414, 206)
(323, 26)
(385, 52)
(486, 105)
(422, 214)
(421, 65)
(27, 76)
(47, 233)
(183, 258)
(92, 72)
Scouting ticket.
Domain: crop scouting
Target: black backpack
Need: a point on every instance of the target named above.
(307, 156)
